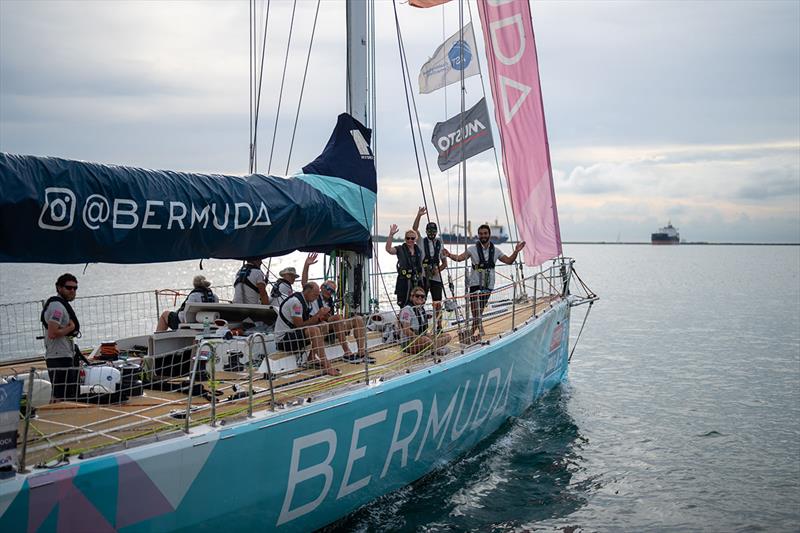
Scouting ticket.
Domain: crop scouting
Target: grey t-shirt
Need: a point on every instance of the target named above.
(288, 312)
(242, 294)
(60, 346)
(483, 278)
(408, 317)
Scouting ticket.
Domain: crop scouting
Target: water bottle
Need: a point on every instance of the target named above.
(206, 326)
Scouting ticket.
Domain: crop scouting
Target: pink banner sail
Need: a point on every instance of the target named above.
(514, 75)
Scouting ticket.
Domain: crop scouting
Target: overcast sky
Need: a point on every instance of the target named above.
(687, 111)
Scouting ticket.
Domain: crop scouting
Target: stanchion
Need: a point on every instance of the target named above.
(28, 401)
(191, 388)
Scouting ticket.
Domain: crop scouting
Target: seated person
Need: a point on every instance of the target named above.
(336, 327)
(415, 336)
(296, 328)
(282, 288)
(250, 285)
(201, 293)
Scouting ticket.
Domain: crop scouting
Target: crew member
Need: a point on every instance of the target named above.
(415, 336)
(201, 293)
(433, 263)
(296, 328)
(61, 328)
(250, 285)
(409, 264)
(335, 327)
(483, 255)
(282, 288)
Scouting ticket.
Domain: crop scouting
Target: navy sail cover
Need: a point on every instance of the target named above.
(61, 211)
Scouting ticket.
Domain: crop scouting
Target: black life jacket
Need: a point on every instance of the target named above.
(431, 261)
(483, 263)
(409, 266)
(243, 276)
(276, 288)
(70, 311)
(321, 302)
(207, 297)
(306, 309)
(422, 319)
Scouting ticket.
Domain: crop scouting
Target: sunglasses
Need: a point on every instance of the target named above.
(326, 287)
(411, 238)
(418, 295)
(70, 287)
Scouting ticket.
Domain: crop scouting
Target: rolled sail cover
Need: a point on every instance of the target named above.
(61, 211)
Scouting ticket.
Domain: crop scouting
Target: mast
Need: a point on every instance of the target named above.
(355, 267)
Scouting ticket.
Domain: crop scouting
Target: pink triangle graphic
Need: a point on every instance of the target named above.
(138, 498)
(75, 511)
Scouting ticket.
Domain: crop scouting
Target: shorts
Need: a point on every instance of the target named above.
(172, 320)
(292, 341)
(480, 294)
(435, 288)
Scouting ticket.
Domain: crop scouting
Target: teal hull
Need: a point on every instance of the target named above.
(300, 469)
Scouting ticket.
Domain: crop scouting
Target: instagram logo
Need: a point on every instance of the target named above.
(58, 211)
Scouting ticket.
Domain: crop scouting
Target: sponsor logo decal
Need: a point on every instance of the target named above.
(455, 55)
(97, 211)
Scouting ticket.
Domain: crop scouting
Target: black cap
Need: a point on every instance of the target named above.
(431, 226)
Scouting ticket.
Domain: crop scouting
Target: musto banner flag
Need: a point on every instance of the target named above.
(455, 145)
(514, 76)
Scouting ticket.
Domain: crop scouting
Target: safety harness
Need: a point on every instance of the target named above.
(422, 319)
(306, 309)
(70, 311)
(484, 266)
(408, 266)
(276, 288)
(431, 260)
(243, 276)
(207, 296)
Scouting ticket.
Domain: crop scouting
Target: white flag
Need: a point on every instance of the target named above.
(445, 66)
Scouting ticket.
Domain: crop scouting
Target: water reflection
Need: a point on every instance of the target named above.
(528, 471)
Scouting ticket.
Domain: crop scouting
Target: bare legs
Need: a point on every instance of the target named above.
(318, 350)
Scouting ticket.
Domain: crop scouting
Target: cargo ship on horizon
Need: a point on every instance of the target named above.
(666, 235)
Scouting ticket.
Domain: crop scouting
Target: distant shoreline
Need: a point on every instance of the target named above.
(697, 243)
(382, 238)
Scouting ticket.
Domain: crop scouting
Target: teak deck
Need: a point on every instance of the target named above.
(68, 428)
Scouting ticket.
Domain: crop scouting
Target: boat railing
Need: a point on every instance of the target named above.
(105, 406)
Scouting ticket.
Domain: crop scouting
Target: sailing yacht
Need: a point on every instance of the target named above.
(269, 442)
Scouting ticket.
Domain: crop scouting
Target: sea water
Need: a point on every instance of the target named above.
(681, 413)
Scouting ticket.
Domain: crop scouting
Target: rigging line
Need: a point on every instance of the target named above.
(254, 162)
(494, 148)
(250, 68)
(579, 332)
(406, 83)
(302, 89)
(404, 58)
(280, 93)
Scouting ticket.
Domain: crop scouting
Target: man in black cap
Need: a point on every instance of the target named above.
(433, 263)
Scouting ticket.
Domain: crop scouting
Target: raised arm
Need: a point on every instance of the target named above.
(457, 258)
(421, 211)
(389, 248)
(310, 260)
(509, 259)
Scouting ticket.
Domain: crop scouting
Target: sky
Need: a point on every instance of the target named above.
(681, 111)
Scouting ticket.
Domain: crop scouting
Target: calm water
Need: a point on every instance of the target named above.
(682, 411)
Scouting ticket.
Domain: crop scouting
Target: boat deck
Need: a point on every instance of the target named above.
(64, 428)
